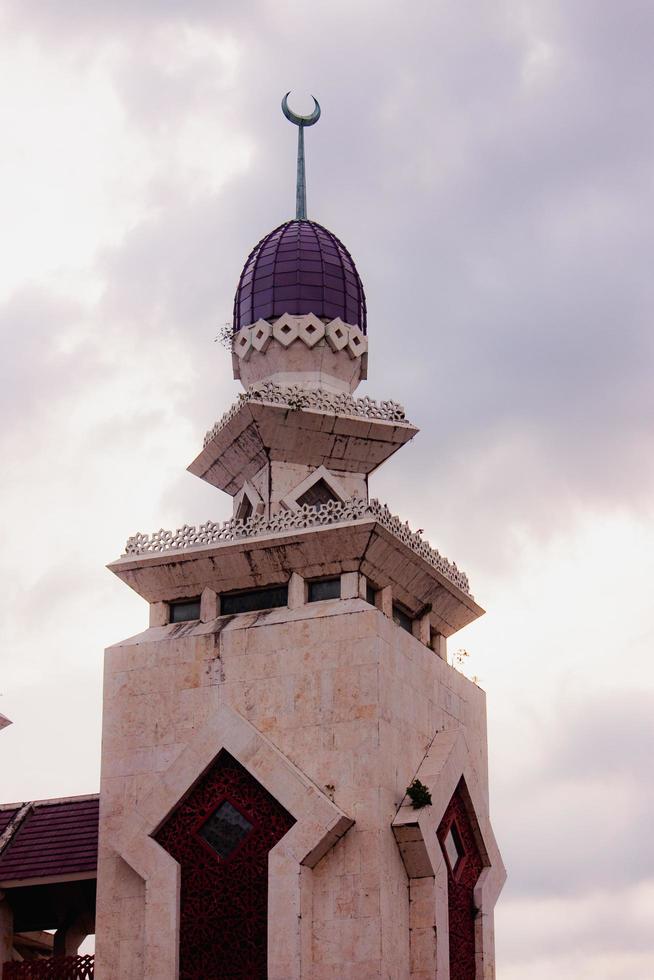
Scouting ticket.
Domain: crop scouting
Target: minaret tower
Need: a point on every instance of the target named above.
(259, 738)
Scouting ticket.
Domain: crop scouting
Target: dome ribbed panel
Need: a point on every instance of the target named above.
(299, 268)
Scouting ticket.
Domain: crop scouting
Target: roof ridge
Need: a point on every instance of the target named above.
(51, 802)
(16, 821)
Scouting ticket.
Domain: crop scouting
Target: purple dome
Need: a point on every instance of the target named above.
(299, 268)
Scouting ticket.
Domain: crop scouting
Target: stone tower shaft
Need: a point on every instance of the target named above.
(265, 739)
(314, 655)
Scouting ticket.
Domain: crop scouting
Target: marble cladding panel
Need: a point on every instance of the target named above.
(351, 699)
(120, 916)
(285, 477)
(320, 366)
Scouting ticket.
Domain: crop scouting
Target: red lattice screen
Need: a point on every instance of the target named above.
(461, 881)
(54, 968)
(224, 902)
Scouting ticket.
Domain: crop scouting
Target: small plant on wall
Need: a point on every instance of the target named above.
(458, 662)
(419, 794)
(225, 335)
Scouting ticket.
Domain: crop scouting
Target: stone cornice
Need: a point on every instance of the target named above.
(334, 512)
(297, 397)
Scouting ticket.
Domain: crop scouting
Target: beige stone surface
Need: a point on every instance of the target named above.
(159, 612)
(329, 704)
(301, 350)
(353, 585)
(296, 591)
(209, 605)
(421, 628)
(320, 473)
(330, 549)
(255, 494)
(290, 480)
(258, 432)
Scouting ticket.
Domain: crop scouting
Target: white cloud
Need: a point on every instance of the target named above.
(79, 172)
(605, 936)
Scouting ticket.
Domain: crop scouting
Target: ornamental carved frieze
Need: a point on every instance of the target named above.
(295, 397)
(308, 330)
(333, 512)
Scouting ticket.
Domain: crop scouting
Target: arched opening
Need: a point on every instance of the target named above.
(464, 865)
(221, 835)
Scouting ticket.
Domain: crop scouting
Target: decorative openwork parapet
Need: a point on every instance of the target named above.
(297, 397)
(334, 512)
(53, 968)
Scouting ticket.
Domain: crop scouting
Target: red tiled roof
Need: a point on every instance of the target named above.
(57, 837)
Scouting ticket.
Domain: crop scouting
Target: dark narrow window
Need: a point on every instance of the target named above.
(453, 847)
(325, 588)
(402, 619)
(371, 592)
(254, 600)
(245, 509)
(184, 610)
(317, 495)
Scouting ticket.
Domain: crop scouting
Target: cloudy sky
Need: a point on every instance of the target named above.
(490, 166)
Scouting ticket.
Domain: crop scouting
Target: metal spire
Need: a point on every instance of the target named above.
(301, 122)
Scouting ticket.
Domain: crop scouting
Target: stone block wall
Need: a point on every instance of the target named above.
(347, 696)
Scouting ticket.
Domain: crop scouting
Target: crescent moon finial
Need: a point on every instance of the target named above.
(301, 122)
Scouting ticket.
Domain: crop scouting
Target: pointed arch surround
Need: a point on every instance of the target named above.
(318, 825)
(320, 476)
(221, 835)
(459, 839)
(248, 503)
(448, 772)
